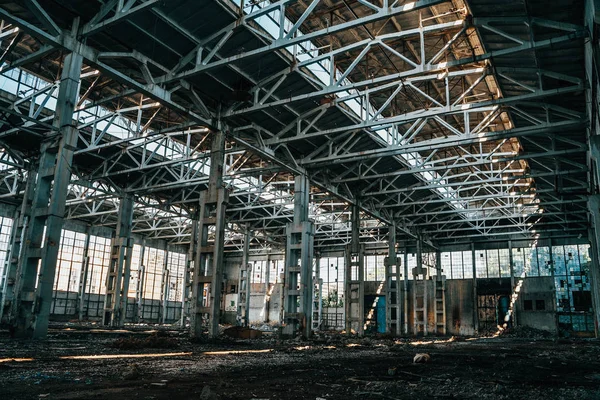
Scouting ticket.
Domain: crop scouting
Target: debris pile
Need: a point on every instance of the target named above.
(154, 341)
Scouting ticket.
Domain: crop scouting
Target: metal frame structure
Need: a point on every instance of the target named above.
(451, 124)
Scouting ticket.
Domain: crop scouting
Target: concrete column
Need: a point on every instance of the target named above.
(355, 279)
(139, 288)
(298, 282)
(84, 275)
(188, 273)
(393, 301)
(475, 299)
(244, 289)
(34, 290)
(119, 270)
(318, 301)
(165, 286)
(513, 280)
(420, 314)
(594, 235)
(208, 266)
(14, 254)
(405, 299)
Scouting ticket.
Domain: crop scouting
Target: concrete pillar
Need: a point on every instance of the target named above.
(420, 313)
(208, 265)
(35, 284)
(393, 303)
(594, 235)
(475, 298)
(165, 286)
(244, 289)
(119, 270)
(298, 280)
(405, 299)
(84, 275)
(14, 254)
(355, 279)
(318, 299)
(513, 280)
(139, 288)
(188, 273)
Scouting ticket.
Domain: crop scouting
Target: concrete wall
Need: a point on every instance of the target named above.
(537, 288)
(459, 307)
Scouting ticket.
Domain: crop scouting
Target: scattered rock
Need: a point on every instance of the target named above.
(132, 372)
(421, 358)
(154, 341)
(240, 332)
(208, 394)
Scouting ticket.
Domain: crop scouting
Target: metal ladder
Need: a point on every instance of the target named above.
(419, 302)
(317, 303)
(114, 279)
(354, 296)
(392, 290)
(440, 304)
(243, 293)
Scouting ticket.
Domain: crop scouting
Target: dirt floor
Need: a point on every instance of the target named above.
(331, 366)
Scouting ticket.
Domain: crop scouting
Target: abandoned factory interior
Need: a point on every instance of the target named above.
(299, 199)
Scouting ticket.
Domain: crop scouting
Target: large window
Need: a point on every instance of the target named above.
(70, 261)
(98, 263)
(176, 268)
(154, 263)
(331, 271)
(374, 268)
(5, 229)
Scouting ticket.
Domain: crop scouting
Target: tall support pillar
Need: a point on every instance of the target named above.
(420, 294)
(317, 309)
(243, 310)
(405, 299)
(355, 279)
(440, 296)
(14, 254)
(165, 287)
(138, 314)
(83, 277)
(513, 283)
(208, 266)
(298, 280)
(594, 236)
(475, 297)
(189, 273)
(393, 302)
(34, 284)
(119, 270)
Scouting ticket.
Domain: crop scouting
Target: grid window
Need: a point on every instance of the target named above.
(493, 263)
(98, 263)
(154, 261)
(370, 271)
(518, 263)
(70, 261)
(543, 257)
(5, 230)
(176, 267)
(468, 264)
(412, 263)
(480, 264)
(504, 258)
(446, 264)
(134, 275)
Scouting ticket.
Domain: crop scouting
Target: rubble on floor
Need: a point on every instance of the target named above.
(330, 366)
